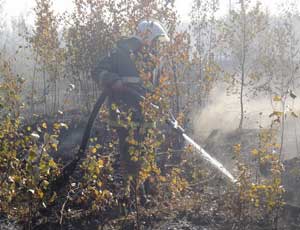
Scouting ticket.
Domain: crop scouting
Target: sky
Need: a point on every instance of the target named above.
(14, 7)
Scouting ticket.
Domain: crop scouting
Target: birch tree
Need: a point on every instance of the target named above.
(204, 31)
(281, 64)
(46, 46)
(241, 32)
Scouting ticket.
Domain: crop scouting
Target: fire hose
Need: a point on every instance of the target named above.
(69, 169)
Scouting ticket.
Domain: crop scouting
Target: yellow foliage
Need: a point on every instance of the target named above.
(255, 152)
(277, 98)
(44, 125)
(93, 150)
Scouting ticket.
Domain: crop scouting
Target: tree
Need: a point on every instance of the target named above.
(88, 37)
(281, 62)
(46, 46)
(2, 21)
(204, 31)
(241, 32)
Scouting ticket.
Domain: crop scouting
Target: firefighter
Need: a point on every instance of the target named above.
(118, 73)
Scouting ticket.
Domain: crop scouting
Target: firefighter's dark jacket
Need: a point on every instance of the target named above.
(120, 63)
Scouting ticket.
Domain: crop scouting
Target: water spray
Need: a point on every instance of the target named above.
(203, 153)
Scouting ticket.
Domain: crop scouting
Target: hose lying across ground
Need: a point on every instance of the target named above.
(69, 169)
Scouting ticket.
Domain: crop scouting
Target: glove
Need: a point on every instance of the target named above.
(119, 85)
(108, 79)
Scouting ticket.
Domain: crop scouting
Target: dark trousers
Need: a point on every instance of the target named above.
(128, 166)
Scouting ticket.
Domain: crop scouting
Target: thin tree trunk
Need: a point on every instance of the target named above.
(200, 57)
(243, 65)
(282, 127)
(45, 93)
(58, 97)
(55, 96)
(33, 86)
(177, 107)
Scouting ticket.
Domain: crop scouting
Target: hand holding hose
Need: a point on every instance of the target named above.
(122, 84)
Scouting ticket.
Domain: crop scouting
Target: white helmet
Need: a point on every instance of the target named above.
(148, 30)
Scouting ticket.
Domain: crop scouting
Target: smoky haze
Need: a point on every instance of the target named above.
(223, 114)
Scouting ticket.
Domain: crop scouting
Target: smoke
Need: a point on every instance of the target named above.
(223, 113)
